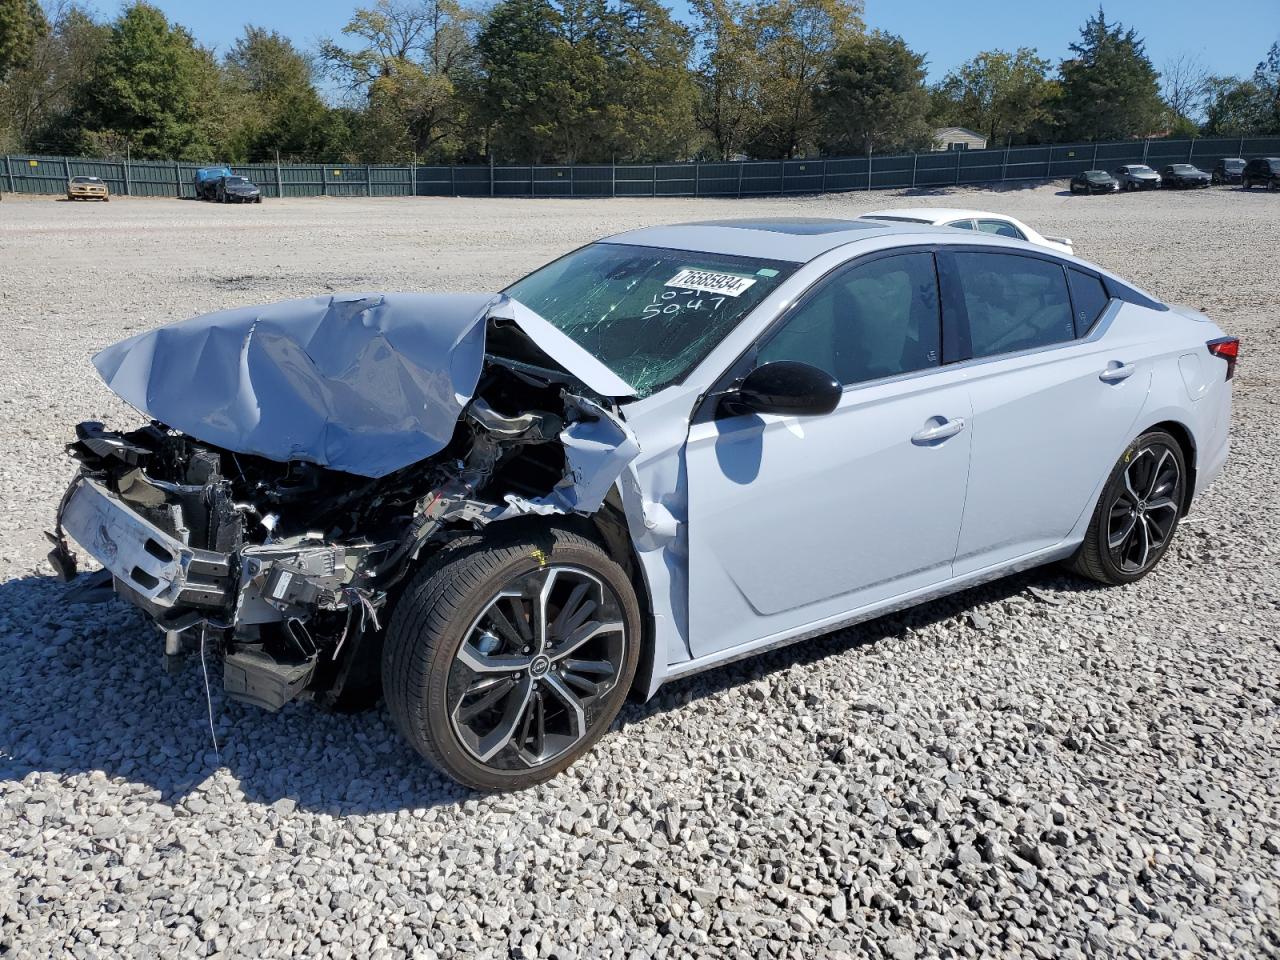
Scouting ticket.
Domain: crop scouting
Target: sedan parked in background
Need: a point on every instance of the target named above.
(1137, 176)
(996, 224)
(87, 188)
(1261, 172)
(1094, 181)
(664, 451)
(1228, 170)
(1184, 175)
(237, 190)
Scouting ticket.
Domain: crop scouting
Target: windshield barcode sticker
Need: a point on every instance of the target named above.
(709, 282)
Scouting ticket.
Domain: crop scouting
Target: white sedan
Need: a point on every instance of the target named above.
(980, 220)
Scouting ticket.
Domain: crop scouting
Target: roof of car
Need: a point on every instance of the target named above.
(934, 214)
(794, 239)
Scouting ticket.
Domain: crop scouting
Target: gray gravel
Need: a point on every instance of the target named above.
(1036, 768)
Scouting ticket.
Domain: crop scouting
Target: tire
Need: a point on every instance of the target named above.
(454, 637)
(1137, 514)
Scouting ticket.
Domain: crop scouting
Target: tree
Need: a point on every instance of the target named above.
(999, 94)
(1266, 77)
(151, 88)
(406, 65)
(1109, 89)
(1182, 86)
(22, 24)
(37, 97)
(729, 74)
(797, 41)
(874, 98)
(648, 112)
(280, 107)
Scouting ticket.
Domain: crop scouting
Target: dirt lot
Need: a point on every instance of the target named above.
(1030, 768)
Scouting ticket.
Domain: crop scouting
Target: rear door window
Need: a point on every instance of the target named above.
(961, 224)
(1089, 298)
(1013, 302)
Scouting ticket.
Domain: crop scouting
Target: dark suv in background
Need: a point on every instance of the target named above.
(1228, 170)
(1183, 175)
(1261, 172)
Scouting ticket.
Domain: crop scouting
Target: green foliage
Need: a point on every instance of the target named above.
(1109, 88)
(798, 40)
(875, 98)
(1004, 96)
(729, 74)
(277, 110)
(577, 81)
(22, 23)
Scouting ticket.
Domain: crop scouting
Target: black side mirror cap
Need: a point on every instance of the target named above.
(784, 387)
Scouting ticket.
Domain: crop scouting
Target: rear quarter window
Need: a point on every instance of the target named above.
(1089, 298)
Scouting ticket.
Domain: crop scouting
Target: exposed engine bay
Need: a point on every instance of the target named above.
(285, 568)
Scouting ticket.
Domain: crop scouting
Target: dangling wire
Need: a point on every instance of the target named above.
(208, 696)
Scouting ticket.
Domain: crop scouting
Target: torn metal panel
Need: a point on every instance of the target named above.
(363, 383)
(598, 446)
(562, 349)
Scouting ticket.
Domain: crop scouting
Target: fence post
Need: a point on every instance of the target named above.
(1191, 149)
(697, 180)
(491, 174)
(1004, 165)
(8, 174)
(324, 180)
(66, 168)
(653, 179)
(1093, 164)
(573, 179)
(915, 157)
(824, 175)
(741, 164)
(128, 191)
(1145, 145)
(613, 178)
(1240, 149)
(279, 180)
(368, 182)
(868, 169)
(453, 179)
(957, 153)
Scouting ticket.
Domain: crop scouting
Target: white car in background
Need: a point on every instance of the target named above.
(979, 220)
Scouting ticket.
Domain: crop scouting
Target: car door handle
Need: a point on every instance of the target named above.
(938, 431)
(1116, 372)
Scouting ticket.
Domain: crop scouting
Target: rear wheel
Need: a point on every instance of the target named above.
(507, 661)
(1137, 514)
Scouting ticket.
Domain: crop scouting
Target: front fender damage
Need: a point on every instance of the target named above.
(301, 457)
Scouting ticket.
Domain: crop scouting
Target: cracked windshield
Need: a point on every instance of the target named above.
(648, 314)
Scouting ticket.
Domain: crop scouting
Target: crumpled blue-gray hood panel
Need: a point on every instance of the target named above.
(364, 383)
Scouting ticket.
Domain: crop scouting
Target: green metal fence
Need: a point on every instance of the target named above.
(748, 178)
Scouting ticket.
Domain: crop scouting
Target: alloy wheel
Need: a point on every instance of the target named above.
(1144, 512)
(526, 681)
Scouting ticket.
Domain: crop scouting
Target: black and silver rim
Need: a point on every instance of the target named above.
(529, 678)
(1145, 511)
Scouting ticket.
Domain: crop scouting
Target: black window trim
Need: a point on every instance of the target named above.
(956, 345)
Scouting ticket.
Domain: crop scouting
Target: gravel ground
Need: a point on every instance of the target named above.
(1033, 768)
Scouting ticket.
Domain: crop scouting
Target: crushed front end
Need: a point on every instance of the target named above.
(284, 570)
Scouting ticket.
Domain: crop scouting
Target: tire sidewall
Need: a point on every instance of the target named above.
(1114, 482)
(434, 723)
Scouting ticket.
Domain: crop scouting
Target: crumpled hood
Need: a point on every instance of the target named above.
(366, 383)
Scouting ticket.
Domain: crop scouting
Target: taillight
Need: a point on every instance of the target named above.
(1228, 348)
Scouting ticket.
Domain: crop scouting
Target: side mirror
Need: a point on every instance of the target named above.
(785, 387)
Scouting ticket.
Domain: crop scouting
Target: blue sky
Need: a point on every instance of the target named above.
(1229, 37)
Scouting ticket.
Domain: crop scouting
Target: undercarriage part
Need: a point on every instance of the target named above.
(254, 676)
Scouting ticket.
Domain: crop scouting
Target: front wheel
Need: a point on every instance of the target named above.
(510, 656)
(1137, 514)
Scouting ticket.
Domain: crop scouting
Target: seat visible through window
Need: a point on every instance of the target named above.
(1013, 302)
(874, 320)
